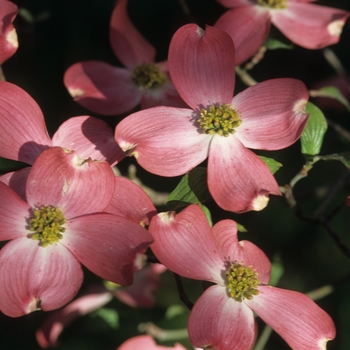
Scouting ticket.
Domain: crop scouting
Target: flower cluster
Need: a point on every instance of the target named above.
(69, 209)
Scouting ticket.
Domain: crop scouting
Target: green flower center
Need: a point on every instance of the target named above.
(273, 4)
(148, 76)
(242, 282)
(220, 120)
(47, 224)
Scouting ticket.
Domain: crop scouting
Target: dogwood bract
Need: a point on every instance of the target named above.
(110, 90)
(139, 294)
(8, 34)
(146, 342)
(171, 141)
(62, 225)
(308, 25)
(223, 317)
(24, 133)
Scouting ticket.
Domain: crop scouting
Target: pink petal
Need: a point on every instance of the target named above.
(185, 245)
(272, 112)
(238, 179)
(142, 292)
(201, 65)
(131, 202)
(128, 44)
(14, 213)
(248, 28)
(219, 322)
(17, 180)
(102, 88)
(295, 317)
(107, 244)
(164, 140)
(8, 35)
(90, 138)
(77, 186)
(146, 342)
(225, 234)
(33, 277)
(309, 25)
(47, 335)
(165, 95)
(22, 126)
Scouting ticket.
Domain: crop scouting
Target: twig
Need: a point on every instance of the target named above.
(339, 129)
(162, 334)
(256, 58)
(182, 295)
(184, 7)
(338, 185)
(264, 337)
(325, 224)
(245, 77)
(334, 61)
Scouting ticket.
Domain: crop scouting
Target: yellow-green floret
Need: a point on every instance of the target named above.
(221, 120)
(242, 282)
(148, 76)
(47, 224)
(273, 4)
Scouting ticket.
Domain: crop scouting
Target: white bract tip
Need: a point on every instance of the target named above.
(260, 202)
(11, 37)
(335, 28)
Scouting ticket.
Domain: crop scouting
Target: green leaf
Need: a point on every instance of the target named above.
(109, 316)
(174, 310)
(271, 163)
(316, 126)
(192, 188)
(277, 271)
(241, 228)
(273, 44)
(207, 214)
(331, 92)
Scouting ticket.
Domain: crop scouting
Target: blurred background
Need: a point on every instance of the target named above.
(55, 34)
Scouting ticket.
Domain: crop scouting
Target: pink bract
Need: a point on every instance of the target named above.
(188, 246)
(24, 133)
(34, 276)
(139, 294)
(308, 25)
(108, 90)
(8, 35)
(170, 141)
(146, 342)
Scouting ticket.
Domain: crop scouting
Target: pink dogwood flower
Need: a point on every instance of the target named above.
(308, 25)
(171, 141)
(108, 90)
(223, 317)
(146, 342)
(139, 294)
(8, 34)
(61, 226)
(24, 133)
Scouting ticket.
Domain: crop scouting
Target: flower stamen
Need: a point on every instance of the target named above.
(47, 224)
(273, 4)
(242, 282)
(221, 120)
(148, 76)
